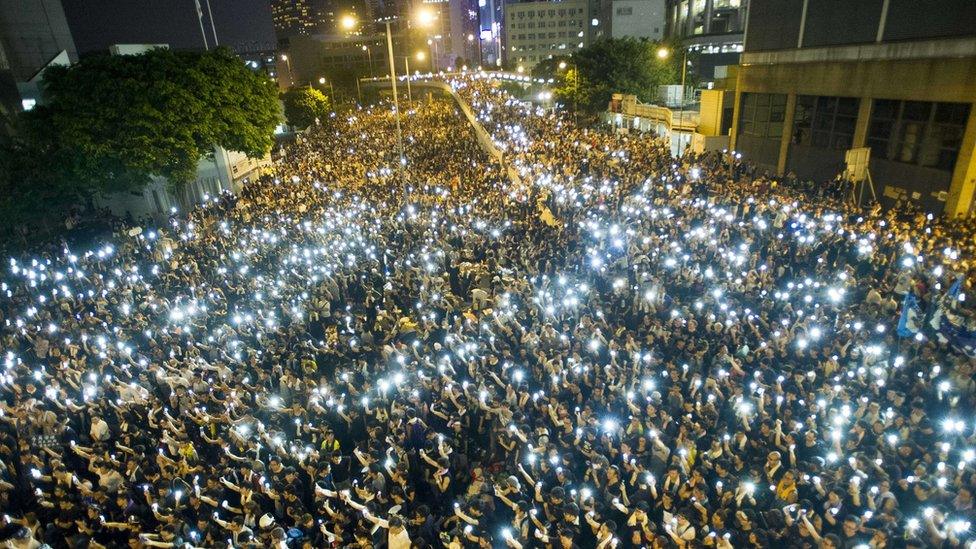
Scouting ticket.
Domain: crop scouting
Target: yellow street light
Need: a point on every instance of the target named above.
(470, 38)
(520, 69)
(425, 17)
(348, 21)
(284, 57)
(322, 80)
(663, 53)
(562, 65)
(421, 56)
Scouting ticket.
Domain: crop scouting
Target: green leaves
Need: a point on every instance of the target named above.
(115, 121)
(616, 65)
(303, 105)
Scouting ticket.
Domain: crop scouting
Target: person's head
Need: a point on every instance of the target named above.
(831, 541)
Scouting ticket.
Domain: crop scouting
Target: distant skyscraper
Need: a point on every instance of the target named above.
(292, 17)
(311, 17)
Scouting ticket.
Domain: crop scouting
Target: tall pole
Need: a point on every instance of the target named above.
(213, 26)
(406, 66)
(396, 108)
(575, 94)
(681, 104)
(203, 33)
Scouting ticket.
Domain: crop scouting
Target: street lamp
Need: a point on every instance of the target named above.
(421, 56)
(348, 22)
(287, 64)
(433, 56)
(331, 90)
(664, 53)
(424, 18)
(369, 57)
(562, 66)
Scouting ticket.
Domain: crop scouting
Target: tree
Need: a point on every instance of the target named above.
(110, 123)
(550, 67)
(304, 104)
(615, 65)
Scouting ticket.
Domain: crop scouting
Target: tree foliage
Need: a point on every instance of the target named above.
(305, 104)
(112, 122)
(616, 65)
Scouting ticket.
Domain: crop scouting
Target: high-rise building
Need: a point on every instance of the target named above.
(491, 19)
(452, 33)
(312, 17)
(820, 77)
(711, 30)
(535, 31)
(637, 18)
(292, 17)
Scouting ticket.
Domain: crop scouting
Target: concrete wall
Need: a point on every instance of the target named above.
(930, 71)
(638, 18)
(32, 33)
(226, 171)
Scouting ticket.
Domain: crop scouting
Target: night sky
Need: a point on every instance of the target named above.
(97, 24)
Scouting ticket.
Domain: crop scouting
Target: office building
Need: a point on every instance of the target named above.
(242, 25)
(711, 30)
(316, 17)
(452, 34)
(637, 19)
(491, 17)
(538, 30)
(32, 33)
(819, 77)
(292, 17)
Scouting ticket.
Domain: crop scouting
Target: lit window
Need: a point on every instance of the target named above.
(28, 104)
(595, 22)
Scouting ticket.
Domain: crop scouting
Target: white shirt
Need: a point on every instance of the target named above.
(398, 541)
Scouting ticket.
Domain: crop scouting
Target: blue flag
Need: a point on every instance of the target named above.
(953, 292)
(910, 313)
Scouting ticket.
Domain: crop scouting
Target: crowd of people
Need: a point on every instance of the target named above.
(590, 344)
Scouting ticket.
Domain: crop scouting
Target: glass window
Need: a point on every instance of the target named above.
(825, 122)
(762, 115)
(917, 132)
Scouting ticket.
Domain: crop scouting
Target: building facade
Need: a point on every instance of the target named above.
(819, 77)
(638, 19)
(535, 31)
(711, 30)
(316, 17)
(32, 33)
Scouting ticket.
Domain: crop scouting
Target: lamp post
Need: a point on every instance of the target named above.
(369, 56)
(481, 60)
(433, 54)
(288, 65)
(396, 107)
(424, 18)
(664, 53)
(322, 82)
(562, 66)
(406, 68)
